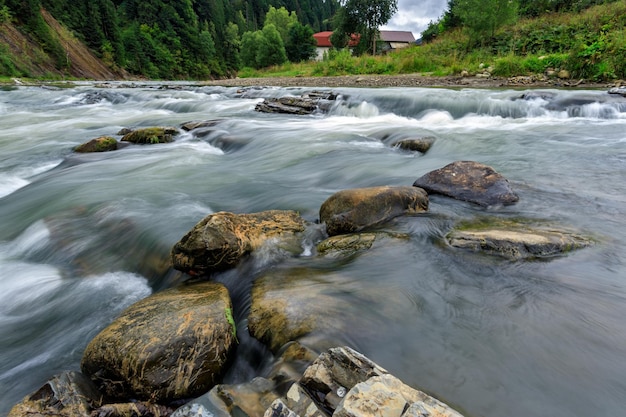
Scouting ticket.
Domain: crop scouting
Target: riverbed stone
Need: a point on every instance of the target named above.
(172, 345)
(151, 135)
(305, 104)
(69, 394)
(421, 145)
(288, 304)
(221, 240)
(516, 241)
(353, 210)
(133, 409)
(101, 144)
(469, 181)
(350, 244)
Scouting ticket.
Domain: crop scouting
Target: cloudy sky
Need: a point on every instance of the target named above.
(414, 15)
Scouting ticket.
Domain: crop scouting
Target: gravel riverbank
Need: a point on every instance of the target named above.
(412, 80)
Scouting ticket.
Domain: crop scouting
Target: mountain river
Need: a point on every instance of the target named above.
(83, 236)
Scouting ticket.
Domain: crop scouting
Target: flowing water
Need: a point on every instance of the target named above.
(82, 236)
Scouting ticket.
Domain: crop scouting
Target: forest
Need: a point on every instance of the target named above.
(161, 39)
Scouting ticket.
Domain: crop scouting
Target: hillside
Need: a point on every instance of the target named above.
(28, 59)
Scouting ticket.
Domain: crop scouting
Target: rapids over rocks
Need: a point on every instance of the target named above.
(85, 235)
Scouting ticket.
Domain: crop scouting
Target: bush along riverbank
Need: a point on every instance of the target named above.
(167, 354)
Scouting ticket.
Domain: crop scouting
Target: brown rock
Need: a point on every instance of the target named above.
(417, 144)
(221, 240)
(172, 345)
(136, 409)
(353, 210)
(469, 181)
(289, 304)
(350, 244)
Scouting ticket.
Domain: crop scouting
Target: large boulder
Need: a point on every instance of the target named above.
(151, 135)
(515, 241)
(221, 240)
(101, 144)
(174, 344)
(469, 181)
(69, 394)
(353, 210)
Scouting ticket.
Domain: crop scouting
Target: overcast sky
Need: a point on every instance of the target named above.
(414, 15)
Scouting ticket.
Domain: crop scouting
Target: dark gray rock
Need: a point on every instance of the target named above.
(469, 181)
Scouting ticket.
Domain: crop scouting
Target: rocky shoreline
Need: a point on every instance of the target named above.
(415, 80)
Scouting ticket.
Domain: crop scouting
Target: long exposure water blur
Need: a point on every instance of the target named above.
(82, 236)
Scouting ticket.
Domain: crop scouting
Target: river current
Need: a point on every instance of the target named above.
(82, 236)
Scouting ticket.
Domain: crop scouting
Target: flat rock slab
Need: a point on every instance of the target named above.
(469, 181)
(516, 242)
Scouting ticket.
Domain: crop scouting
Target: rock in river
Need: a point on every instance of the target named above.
(220, 240)
(101, 144)
(469, 181)
(516, 241)
(353, 210)
(151, 135)
(172, 345)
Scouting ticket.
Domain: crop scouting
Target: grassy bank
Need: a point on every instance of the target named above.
(589, 45)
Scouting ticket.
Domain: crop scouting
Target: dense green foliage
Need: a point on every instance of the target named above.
(165, 39)
(590, 44)
(363, 17)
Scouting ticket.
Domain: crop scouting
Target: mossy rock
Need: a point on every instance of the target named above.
(151, 135)
(101, 144)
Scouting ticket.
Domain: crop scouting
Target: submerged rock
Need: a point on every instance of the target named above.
(151, 135)
(416, 144)
(618, 90)
(172, 345)
(469, 181)
(221, 240)
(290, 304)
(353, 210)
(516, 241)
(101, 144)
(69, 394)
(350, 244)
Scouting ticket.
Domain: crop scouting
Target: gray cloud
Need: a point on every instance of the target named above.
(414, 15)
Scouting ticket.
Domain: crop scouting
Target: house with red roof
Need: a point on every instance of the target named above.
(389, 40)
